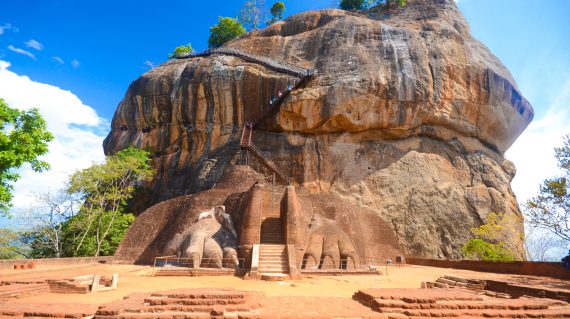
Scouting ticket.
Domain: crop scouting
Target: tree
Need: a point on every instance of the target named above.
(550, 209)
(277, 11)
(104, 190)
(90, 245)
(181, 51)
(353, 4)
(539, 245)
(496, 240)
(477, 248)
(226, 29)
(252, 14)
(47, 220)
(23, 139)
(10, 246)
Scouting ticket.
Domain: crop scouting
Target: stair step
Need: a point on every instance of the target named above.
(276, 270)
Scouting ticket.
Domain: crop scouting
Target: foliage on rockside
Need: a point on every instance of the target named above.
(226, 30)
(181, 51)
(494, 241)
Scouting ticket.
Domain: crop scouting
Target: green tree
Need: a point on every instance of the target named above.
(10, 245)
(181, 51)
(353, 4)
(550, 209)
(90, 245)
(23, 139)
(277, 11)
(104, 190)
(496, 240)
(477, 248)
(226, 30)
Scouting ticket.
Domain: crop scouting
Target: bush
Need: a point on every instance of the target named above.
(181, 51)
(479, 249)
(226, 30)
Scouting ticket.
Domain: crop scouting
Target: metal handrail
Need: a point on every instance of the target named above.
(371, 264)
(275, 64)
(268, 163)
(165, 263)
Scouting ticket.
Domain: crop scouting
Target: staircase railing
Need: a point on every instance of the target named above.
(247, 144)
(275, 64)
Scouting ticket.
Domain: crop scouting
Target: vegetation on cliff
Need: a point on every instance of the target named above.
(181, 50)
(24, 139)
(277, 11)
(494, 241)
(226, 30)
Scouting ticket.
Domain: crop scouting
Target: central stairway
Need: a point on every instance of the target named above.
(273, 258)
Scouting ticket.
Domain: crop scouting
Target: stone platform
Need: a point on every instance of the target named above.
(458, 302)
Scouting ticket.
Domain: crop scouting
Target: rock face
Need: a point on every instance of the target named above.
(408, 116)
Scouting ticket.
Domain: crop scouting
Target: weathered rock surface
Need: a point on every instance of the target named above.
(161, 229)
(409, 115)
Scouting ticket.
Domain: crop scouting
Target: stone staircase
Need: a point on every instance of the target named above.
(273, 259)
(272, 231)
(423, 303)
(184, 303)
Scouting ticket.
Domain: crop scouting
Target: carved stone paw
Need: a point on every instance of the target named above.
(210, 242)
(329, 247)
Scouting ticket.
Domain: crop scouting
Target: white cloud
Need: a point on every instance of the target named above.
(533, 152)
(75, 64)
(78, 131)
(5, 27)
(58, 59)
(21, 51)
(34, 44)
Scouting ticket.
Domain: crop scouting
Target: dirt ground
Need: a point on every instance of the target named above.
(139, 279)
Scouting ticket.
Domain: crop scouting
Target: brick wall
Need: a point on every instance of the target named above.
(550, 269)
(55, 261)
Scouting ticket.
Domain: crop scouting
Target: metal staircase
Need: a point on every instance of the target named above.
(247, 145)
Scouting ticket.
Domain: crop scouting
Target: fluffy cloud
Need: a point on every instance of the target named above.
(75, 64)
(34, 45)
(78, 130)
(21, 51)
(533, 152)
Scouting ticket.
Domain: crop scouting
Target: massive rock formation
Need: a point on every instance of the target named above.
(409, 116)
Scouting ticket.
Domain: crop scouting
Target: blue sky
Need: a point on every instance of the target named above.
(75, 60)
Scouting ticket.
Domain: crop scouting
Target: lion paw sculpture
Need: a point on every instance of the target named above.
(328, 246)
(211, 241)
